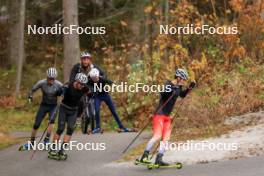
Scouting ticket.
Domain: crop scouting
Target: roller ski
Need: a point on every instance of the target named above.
(144, 160)
(143, 163)
(157, 166)
(57, 155)
(126, 130)
(159, 163)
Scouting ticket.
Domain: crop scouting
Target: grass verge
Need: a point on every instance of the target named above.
(183, 135)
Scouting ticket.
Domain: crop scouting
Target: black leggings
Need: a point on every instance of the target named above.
(43, 110)
(68, 116)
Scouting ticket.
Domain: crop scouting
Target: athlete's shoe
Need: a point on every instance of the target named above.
(159, 160)
(46, 141)
(25, 147)
(145, 157)
(126, 130)
(97, 130)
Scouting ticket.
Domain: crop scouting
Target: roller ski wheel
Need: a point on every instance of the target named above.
(138, 162)
(57, 156)
(53, 155)
(63, 156)
(157, 166)
(126, 130)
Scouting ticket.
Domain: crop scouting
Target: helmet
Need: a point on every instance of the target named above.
(85, 54)
(181, 73)
(82, 78)
(52, 72)
(94, 73)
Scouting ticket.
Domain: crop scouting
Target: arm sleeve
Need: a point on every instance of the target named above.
(35, 88)
(183, 93)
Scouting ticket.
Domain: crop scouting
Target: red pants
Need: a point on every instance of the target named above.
(161, 127)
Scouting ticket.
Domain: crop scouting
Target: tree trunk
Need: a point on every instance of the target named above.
(16, 44)
(151, 21)
(166, 20)
(16, 13)
(71, 48)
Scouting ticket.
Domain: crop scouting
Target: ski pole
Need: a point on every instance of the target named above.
(149, 121)
(52, 117)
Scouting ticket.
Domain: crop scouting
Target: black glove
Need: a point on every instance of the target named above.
(192, 85)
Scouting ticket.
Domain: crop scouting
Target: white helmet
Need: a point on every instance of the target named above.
(82, 78)
(52, 72)
(85, 54)
(94, 73)
(182, 73)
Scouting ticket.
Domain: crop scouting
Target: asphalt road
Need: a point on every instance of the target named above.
(101, 163)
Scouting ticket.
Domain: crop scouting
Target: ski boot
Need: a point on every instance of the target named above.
(97, 130)
(46, 141)
(126, 130)
(25, 147)
(159, 160)
(144, 160)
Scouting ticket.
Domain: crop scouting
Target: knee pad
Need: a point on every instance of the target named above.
(70, 130)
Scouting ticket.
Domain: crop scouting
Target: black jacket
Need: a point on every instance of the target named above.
(165, 106)
(72, 96)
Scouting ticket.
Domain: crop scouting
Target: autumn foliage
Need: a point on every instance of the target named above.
(228, 69)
